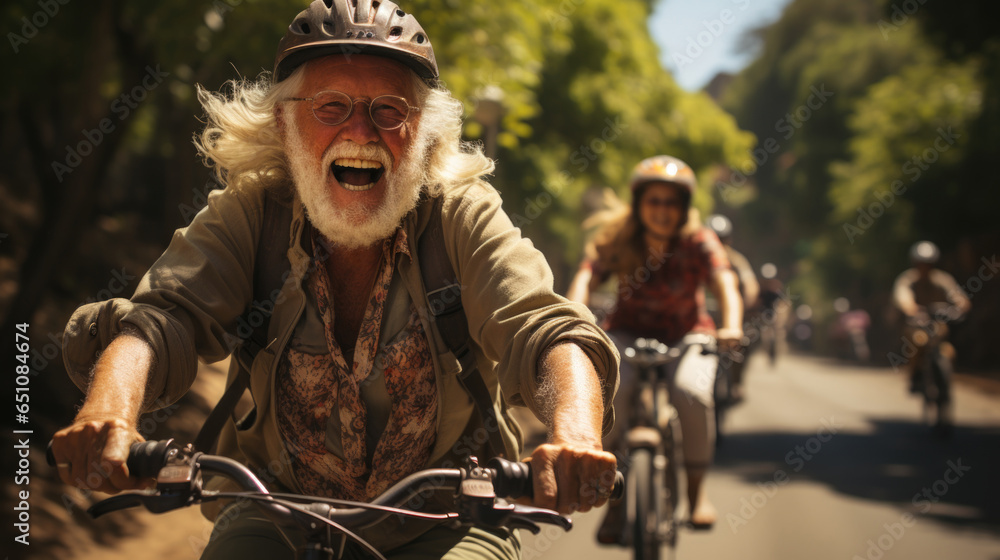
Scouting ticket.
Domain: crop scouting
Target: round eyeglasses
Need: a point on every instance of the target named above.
(388, 112)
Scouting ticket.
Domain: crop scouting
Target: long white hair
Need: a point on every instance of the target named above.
(243, 146)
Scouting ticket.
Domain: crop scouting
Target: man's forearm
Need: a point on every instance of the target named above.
(571, 396)
(118, 384)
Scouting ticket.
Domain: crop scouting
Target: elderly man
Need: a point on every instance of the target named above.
(356, 148)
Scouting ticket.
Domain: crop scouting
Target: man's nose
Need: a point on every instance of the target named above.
(359, 127)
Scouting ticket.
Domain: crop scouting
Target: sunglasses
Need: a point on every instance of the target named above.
(656, 202)
(388, 112)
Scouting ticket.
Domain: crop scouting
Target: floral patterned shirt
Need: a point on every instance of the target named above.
(312, 387)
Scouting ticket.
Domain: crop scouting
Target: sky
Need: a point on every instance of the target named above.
(700, 38)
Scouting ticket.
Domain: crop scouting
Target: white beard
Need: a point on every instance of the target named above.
(357, 225)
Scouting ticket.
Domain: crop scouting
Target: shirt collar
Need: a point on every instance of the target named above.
(391, 246)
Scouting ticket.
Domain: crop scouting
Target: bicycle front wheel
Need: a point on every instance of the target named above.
(941, 369)
(645, 536)
(722, 396)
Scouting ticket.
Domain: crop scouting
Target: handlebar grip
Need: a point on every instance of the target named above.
(514, 480)
(146, 458)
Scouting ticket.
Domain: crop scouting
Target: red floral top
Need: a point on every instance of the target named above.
(665, 298)
(310, 388)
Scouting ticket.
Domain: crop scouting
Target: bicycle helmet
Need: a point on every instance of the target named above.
(667, 169)
(720, 225)
(924, 252)
(355, 27)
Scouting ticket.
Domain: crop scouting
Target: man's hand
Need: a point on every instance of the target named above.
(569, 478)
(91, 453)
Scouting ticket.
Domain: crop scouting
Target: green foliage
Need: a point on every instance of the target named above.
(911, 133)
(816, 63)
(901, 151)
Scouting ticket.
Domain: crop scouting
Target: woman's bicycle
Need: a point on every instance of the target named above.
(328, 525)
(652, 454)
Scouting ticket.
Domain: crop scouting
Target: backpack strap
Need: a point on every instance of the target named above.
(269, 265)
(444, 300)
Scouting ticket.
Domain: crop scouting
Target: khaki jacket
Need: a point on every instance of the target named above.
(191, 302)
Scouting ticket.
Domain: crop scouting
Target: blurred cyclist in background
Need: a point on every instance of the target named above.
(849, 333)
(749, 290)
(774, 312)
(920, 287)
(663, 259)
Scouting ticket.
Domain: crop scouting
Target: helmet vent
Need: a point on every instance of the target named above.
(329, 27)
(395, 33)
(375, 5)
(302, 27)
(400, 13)
(329, 3)
(420, 38)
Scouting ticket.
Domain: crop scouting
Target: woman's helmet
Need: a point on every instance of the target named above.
(355, 27)
(720, 225)
(924, 252)
(666, 169)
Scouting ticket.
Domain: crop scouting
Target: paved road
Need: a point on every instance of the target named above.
(826, 461)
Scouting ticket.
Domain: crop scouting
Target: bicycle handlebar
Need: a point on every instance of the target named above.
(649, 352)
(935, 313)
(178, 474)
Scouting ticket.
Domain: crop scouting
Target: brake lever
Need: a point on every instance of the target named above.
(150, 499)
(516, 516)
(533, 515)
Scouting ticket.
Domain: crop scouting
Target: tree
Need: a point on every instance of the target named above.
(896, 154)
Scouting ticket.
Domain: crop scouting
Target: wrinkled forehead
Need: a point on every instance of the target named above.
(359, 76)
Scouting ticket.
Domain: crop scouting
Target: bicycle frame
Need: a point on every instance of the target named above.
(651, 479)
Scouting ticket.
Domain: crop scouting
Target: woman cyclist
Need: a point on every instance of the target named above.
(663, 259)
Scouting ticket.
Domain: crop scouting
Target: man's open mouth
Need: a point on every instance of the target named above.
(357, 174)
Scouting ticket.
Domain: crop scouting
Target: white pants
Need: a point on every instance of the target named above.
(691, 393)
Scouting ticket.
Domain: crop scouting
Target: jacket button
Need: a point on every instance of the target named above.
(93, 329)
